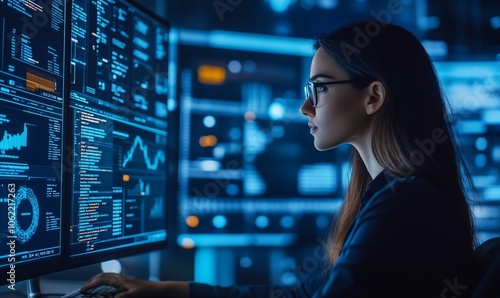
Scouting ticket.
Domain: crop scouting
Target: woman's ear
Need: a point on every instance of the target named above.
(375, 97)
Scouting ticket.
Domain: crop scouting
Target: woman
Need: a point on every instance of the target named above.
(405, 228)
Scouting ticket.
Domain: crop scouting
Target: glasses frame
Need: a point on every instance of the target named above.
(310, 89)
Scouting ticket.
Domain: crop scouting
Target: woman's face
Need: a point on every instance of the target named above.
(339, 116)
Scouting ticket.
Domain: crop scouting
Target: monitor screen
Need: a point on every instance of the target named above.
(249, 172)
(31, 137)
(120, 115)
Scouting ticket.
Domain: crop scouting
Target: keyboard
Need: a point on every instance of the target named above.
(98, 292)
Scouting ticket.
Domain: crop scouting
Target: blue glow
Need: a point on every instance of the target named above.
(307, 4)
(209, 121)
(219, 221)
(224, 240)
(492, 193)
(468, 69)
(288, 278)
(495, 22)
(253, 183)
(470, 86)
(262, 221)
(435, 48)
(484, 181)
(480, 160)
(234, 66)
(232, 189)
(276, 111)
(427, 22)
(278, 131)
(246, 262)
(247, 42)
(346, 175)
(255, 140)
(235, 133)
(161, 109)
(219, 152)
(249, 66)
(472, 127)
(322, 222)
(260, 43)
(481, 211)
(327, 4)
(317, 179)
(491, 117)
(280, 6)
(204, 262)
(209, 165)
(290, 94)
(283, 28)
(287, 222)
(122, 134)
(496, 154)
(481, 143)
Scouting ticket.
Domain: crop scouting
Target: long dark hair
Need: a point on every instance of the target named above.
(412, 132)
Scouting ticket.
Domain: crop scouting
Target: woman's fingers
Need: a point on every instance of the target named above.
(108, 279)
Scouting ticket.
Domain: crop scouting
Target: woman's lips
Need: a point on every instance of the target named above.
(312, 127)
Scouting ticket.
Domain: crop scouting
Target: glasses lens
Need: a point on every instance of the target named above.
(312, 95)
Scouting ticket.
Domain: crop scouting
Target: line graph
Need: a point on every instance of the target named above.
(14, 141)
(151, 164)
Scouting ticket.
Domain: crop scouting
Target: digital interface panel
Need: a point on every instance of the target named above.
(118, 102)
(31, 114)
(31, 125)
(249, 173)
(473, 90)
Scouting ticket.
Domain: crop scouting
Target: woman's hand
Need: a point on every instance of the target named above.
(129, 287)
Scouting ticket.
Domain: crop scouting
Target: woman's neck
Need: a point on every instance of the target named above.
(366, 152)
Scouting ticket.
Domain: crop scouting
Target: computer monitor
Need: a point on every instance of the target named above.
(32, 121)
(249, 172)
(120, 116)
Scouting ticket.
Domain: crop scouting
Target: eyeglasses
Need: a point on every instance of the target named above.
(310, 89)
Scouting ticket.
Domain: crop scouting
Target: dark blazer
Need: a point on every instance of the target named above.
(403, 243)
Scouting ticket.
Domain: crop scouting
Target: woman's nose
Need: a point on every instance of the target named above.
(306, 108)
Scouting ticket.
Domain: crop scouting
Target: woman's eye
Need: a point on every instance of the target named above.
(321, 89)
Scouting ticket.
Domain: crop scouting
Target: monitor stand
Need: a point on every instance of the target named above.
(33, 288)
(154, 265)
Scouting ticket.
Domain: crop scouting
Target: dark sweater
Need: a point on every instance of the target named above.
(403, 243)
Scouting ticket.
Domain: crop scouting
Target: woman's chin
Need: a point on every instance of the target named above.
(325, 146)
(321, 147)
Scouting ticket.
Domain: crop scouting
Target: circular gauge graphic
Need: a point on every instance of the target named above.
(25, 193)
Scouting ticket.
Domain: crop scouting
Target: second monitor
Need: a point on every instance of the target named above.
(120, 138)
